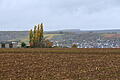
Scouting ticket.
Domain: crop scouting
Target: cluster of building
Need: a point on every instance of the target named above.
(10, 44)
(97, 43)
(66, 41)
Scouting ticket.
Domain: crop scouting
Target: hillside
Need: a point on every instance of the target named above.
(68, 37)
(10, 35)
(104, 31)
(20, 35)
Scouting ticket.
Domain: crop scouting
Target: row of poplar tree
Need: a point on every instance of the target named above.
(37, 39)
(36, 36)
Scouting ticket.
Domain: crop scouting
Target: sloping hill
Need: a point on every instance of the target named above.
(23, 35)
(11, 35)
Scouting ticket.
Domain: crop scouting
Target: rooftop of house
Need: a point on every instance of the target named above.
(8, 42)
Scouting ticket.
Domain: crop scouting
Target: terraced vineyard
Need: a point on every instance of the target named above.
(60, 64)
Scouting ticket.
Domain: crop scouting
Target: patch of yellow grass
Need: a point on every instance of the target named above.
(50, 36)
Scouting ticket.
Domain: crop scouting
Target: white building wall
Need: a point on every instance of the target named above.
(15, 45)
(19, 45)
(7, 46)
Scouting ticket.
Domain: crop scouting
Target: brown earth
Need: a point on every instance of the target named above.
(65, 64)
(112, 35)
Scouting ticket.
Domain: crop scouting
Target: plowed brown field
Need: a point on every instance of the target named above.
(59, 64)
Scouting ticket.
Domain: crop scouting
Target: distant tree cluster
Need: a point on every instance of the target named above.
(37, 39)
(23, 45)
(74, 46)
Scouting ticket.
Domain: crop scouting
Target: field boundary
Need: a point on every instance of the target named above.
(63, 50)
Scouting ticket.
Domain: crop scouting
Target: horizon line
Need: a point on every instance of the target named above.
(68, 29)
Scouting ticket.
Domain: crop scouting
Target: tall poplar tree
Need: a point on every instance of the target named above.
(36, 36)
(31, 37)
(42, 30)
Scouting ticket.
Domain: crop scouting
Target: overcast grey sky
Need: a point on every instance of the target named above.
(60, 14)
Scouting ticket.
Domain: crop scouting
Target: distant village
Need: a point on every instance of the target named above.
(65, 40)
(87, 40)
(98, 43)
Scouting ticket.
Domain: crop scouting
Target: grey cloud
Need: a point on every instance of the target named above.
(60, 14)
